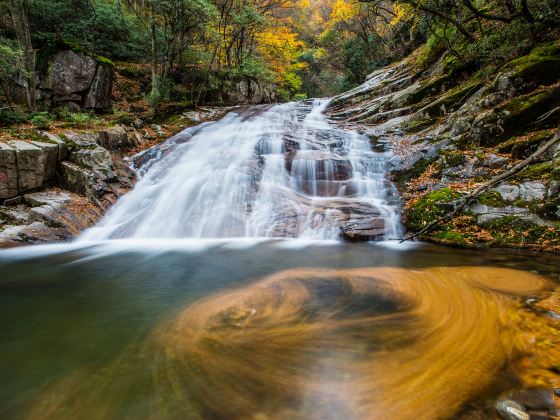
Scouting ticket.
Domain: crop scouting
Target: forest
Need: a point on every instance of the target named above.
(280, 209)
(199, 51)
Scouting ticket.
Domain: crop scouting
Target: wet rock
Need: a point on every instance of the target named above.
(81, 181)
(511, 410)
(8, 171)
(30, 165)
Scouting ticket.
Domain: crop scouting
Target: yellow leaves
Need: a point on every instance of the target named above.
(343, 11)
(280, 48)
(403, 12)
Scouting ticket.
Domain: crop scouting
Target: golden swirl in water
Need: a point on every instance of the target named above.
(379, 343)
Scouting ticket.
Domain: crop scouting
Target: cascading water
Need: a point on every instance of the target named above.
(279, 171)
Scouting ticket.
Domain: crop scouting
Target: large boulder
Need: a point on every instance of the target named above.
(76, 80)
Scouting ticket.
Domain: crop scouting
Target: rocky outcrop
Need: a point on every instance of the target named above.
(52, 215)
(73, 79)
(450, 132)
(87, 176)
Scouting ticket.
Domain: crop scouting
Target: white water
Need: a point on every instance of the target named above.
(281, 171)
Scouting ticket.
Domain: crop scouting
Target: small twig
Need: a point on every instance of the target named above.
(466, 200)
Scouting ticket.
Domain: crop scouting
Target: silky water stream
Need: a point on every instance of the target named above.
(220, 288)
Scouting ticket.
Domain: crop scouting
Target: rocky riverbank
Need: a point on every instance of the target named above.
(55, 185)
(452, 128)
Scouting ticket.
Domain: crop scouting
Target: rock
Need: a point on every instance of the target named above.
(494, 161)
(62, 147)
(508, 192)
(76, 179)
(30, 165)
(8, 171)
(487, 214)
(510, 410)
(115, 138)
(535, 399)
(138, 123)
(50, 158)
(69, 73)
(98, 160)
(83, 140)
(531, 190)
(99, 94)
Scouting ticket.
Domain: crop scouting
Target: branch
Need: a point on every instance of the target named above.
(466, 200)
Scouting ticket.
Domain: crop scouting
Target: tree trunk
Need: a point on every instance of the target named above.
(155, 94)
(21, 26)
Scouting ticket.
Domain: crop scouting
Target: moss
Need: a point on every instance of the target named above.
(34, 135)
(546, 170)
(541, 65)
(450, 237)
(453, 99)
(428, 88)
(525, 111)
(418, 124)
(523, 146)
(492, 199)
(417, 169)
(452, 158)
(103, 60)
(429, 208)
(511, 230)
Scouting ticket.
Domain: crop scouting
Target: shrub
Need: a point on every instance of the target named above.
(42, 120)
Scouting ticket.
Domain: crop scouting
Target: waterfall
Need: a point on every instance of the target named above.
(266, 171)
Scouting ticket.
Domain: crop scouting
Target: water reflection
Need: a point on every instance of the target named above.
(360, 343)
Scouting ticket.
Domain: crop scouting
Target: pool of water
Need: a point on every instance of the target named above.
(259, 329)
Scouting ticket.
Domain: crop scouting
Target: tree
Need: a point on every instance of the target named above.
(19, 11)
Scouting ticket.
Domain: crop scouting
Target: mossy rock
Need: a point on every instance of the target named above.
(400, 177)
(547, 170)
(418, 124)
(427, 89)
(521, 147)
(492, 199)
(429, 208)
(541, 65)
(453, 99)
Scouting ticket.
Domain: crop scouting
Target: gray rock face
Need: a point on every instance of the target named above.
(98, 160)
(486, 214)
(50, 157)
(8, 171)
(117, 138)
(526, 191)
(77, 81)
(30, 165)
(508, 192)
(531, 190)
(69, 74)
(99, 94)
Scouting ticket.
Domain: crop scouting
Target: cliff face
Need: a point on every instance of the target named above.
(451, 130)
